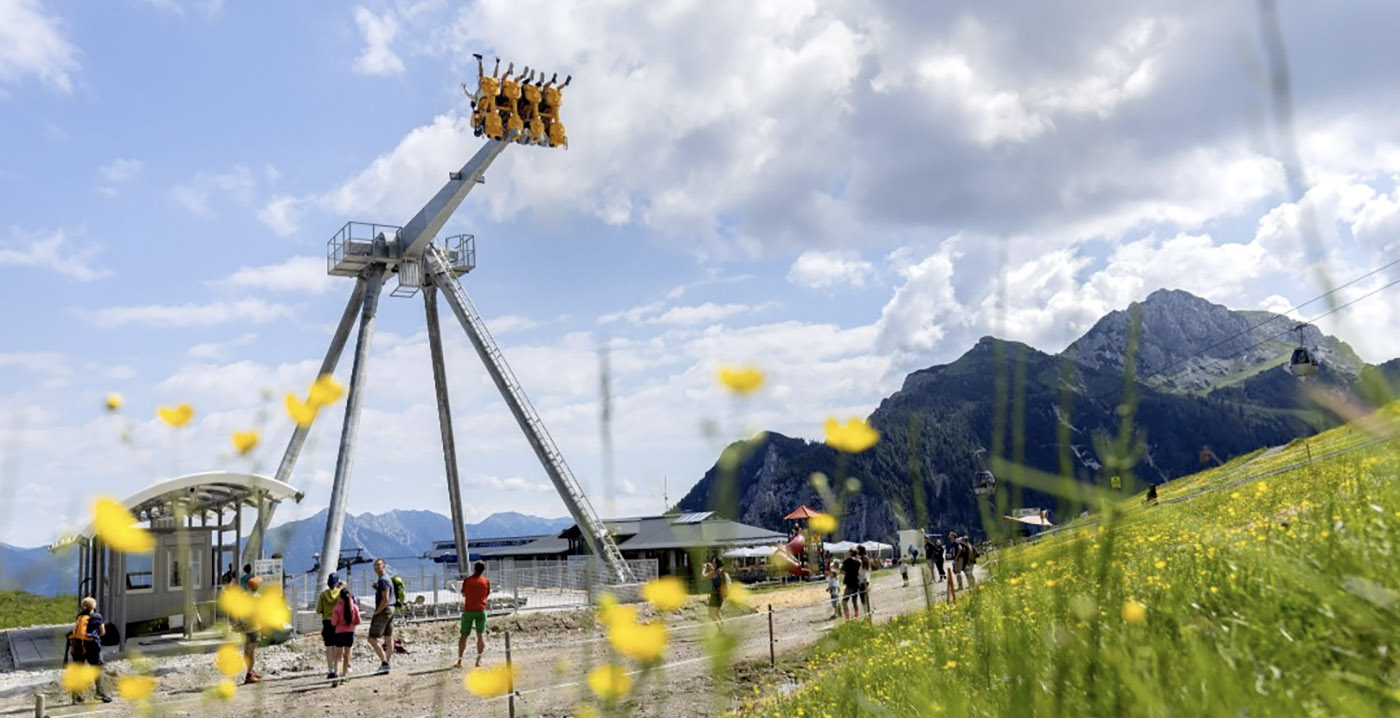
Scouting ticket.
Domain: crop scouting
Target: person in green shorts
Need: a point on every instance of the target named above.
(475, 589)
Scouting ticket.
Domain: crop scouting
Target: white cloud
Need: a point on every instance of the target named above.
(817, 269)
(297, 274)
(117, 172)
(255, 311)
(507, 323)
(32, 44)
(51, 252)
(280, 214)
(706, 313)
(210, 8)
(219, 350)
(237, 183)
(379, 32)
(53, 366)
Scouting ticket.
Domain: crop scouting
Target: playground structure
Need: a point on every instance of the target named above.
(371, 253)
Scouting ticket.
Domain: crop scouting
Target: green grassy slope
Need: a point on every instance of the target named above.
(1272, 596)
(18, 609)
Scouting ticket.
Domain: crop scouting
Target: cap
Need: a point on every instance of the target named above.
(332, 580)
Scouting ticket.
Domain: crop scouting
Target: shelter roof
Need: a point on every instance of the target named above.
(801, 512)
(200, 493)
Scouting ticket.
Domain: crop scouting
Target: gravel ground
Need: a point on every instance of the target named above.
(551, 650)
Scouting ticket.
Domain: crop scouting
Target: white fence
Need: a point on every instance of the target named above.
(434, 590)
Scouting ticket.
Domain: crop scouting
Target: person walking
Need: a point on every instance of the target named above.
(85, 645)
(903, 570)
(833, 588)
(475, 589)
(957, 552)
(344, 618)
(250, 636)
(850, 580)
(719, 586)
(866, 565)
(325, 605)
(969, 560)
(381, 624)
(937, 555)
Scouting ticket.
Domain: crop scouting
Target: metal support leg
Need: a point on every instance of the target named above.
(449, 447)
(335, 514)
(253, 549)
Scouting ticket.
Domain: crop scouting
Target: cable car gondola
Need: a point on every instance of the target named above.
(984, 483)
(1304, 361)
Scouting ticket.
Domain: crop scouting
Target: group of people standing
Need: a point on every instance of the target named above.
(848, 583)
(340, 614)
(953, 560)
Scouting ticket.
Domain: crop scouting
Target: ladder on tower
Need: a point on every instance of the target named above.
(437, 268)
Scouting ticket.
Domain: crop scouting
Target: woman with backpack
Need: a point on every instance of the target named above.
(344, 619)
(719, 586)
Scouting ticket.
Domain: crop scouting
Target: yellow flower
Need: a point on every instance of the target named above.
(136, 688)
(176, 415)
(611, 613)
(236, 602)
(224, 690)
(78, 677)
(822, 523)
(666, 593)
(270, 610)
(114, 401)
(302, 413)
(324, 391)
(951, 664)
(609, 682)
(244, 441)
(737, 593)
(744, 380)
(117, 528)
(854, 437)
(638, 641)
(229, 659)
(490, 682)
(1134, 612)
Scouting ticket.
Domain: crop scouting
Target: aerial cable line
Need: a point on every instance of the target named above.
(1139, 378)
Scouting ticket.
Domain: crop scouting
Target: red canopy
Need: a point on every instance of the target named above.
(802, 512)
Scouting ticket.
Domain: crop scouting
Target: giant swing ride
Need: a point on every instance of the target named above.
(507, 110)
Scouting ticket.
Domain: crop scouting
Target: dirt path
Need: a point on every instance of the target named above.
(550, 649)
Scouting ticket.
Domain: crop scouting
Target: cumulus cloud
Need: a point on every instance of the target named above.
(32, 44)
(379, 32)
(816, 269)
(254, 311)
(50, 251)
(305, 275)
(238, 183)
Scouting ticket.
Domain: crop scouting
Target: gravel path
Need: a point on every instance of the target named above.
(550, 649)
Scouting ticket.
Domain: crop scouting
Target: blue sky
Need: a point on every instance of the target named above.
(836, 193)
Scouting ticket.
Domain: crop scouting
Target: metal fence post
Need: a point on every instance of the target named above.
(772, 653)
(510, 677)
(39, 706)
(436, 612)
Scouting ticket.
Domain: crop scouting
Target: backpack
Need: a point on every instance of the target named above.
(400, 592)
(972, 553)
(80, 627)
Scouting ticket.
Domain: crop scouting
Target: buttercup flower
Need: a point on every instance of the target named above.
(236, 602)
(853, 437)
(301, 412)
(136, 688)
(666, 593)
(229, 660)
(117, 528)
(638, 641)
(114, 401)
(745, 380)
(1134, 612)
(176, 415)
(78, 677)
(325, 390)
(490, 682)
(225, 690)
(244, 441)
(609, 682)
(822, 523)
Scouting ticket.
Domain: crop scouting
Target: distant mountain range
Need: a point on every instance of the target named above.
(1205, 376)
(392, 534)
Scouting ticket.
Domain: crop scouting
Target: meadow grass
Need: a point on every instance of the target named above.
(1273, 597)
(19, 608)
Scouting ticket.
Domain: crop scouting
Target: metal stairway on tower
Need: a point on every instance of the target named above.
(437, 269)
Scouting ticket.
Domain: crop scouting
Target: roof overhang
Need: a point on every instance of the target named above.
(199, 493)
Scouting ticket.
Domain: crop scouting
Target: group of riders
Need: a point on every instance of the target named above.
(523, 107)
